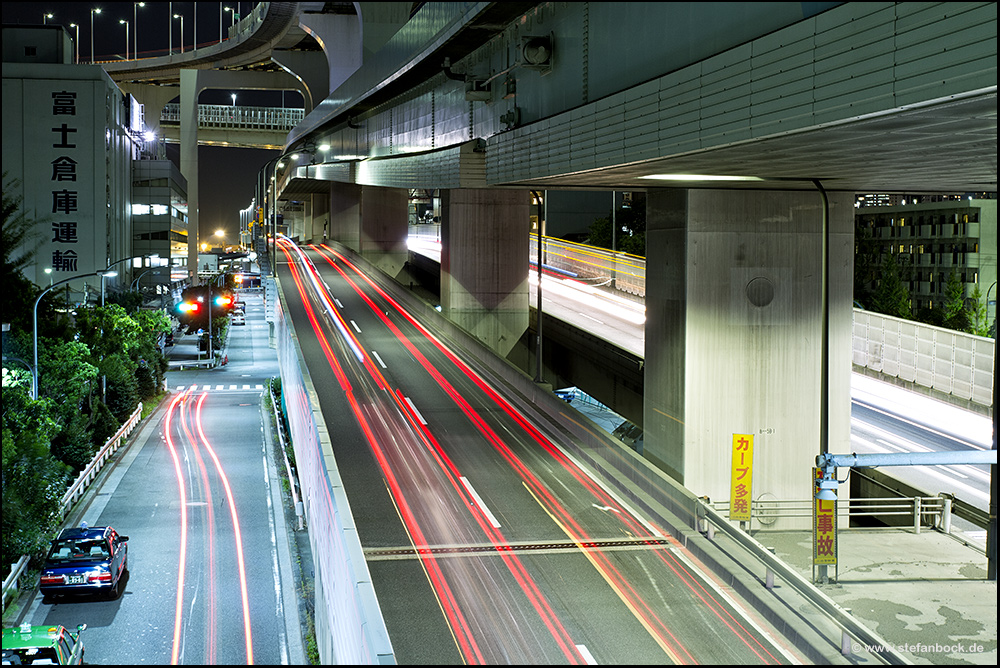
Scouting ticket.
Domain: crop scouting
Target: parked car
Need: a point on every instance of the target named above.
(27, 644)
(85, 560)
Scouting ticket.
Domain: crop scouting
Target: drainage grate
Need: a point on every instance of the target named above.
(547, 547)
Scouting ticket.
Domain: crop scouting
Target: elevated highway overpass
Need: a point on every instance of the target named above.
(748, 125)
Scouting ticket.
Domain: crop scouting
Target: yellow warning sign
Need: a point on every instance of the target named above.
(824, 527)
(741, 477)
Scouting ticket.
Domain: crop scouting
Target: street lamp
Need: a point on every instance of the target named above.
(988, 305)
(46, 17)
(181, 17)
(125, 23)
(76, 42)
(233, 12)
(135, 33)
(135, 283)
(106, 274)
(233, 95)
(96, 10)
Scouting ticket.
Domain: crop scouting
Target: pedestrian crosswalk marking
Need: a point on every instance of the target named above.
(208, 388)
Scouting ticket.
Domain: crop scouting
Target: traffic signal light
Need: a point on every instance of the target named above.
(189, 307)
(223, 300)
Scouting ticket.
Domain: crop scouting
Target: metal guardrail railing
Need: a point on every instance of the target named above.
(89, 473)
(293, 480)
(238, 117)
(10, 583)
(75, 491)
(923, 511)
(709, 521)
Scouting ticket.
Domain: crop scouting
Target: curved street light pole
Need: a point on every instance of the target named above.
(181, 17)
(76, 43)
(126, 24)
(107, 273)
(96, 10)
(34, 374)
(988, 304)
(135, 29)
(267, 197)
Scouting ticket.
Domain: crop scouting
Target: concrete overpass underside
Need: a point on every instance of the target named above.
(781, 115)
(781, 111)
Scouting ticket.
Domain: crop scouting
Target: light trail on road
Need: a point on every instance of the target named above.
(190, 427)
(418, 433)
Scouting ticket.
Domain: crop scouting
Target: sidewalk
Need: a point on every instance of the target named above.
(925, 593)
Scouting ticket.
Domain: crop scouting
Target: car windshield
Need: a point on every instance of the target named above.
(78, 549)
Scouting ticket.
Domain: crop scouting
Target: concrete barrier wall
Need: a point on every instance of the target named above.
(349, 624)
(949, 365)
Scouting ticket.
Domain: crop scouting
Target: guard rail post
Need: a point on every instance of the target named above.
(769, 573)
(945, 521)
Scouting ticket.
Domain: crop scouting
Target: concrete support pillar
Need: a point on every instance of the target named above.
(484, 263)
(734, 331)
(153, 99)
(345, 214)
(190, 88)
(384, 228)
(319, 220)
(294, 216)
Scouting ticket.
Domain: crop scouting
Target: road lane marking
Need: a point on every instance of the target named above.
(479, 502)
(416, 412)
(587, 656)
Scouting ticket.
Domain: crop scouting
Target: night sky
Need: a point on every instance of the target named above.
(227, 176)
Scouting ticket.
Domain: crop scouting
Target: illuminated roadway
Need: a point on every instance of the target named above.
(884, 418)
(487, 542)
(195, 492)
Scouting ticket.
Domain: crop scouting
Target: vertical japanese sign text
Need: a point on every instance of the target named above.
(741, 478)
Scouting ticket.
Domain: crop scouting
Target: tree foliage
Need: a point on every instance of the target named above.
(94, 364)
(33, 480)
(629, 235)
(978, 323)
(954, 313)
(891, 296)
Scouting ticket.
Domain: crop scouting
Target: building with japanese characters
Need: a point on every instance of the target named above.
(70, 137)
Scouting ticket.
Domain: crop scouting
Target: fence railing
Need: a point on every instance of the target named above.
(75, 491)
(922, 511)
(237, 117)
(953, 363)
